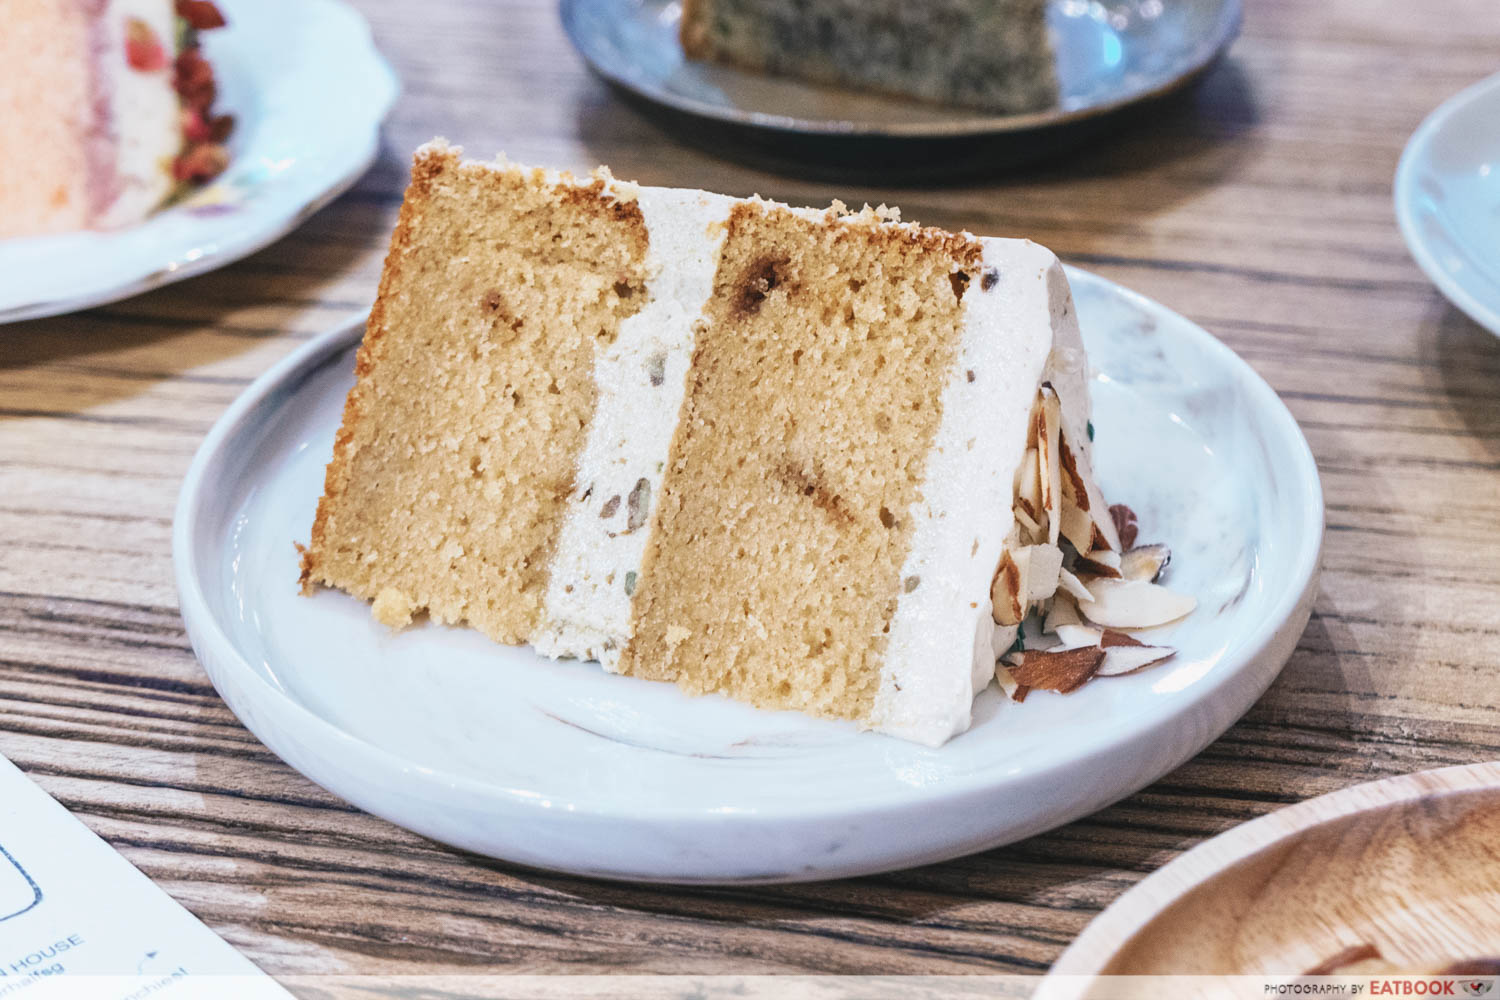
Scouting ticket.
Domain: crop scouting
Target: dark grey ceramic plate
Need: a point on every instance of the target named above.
(1110, 56)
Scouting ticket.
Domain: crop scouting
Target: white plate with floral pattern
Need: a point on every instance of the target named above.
(560, 765)
(308, 91)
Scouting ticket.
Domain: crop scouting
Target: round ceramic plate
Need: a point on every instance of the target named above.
(308, 91)
(1109, 56)
(1448, 200)
(562, 766)
(1406, 865)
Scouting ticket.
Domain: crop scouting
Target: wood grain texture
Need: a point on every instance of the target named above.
(1258, 205)
(1403, 871)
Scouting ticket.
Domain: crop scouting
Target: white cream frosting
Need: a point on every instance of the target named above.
(641, 380)
(144, 114)
(943, 642)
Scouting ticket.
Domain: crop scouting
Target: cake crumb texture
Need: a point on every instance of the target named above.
(474, 389)
(786, 509)
(392, 608)
(45, 117)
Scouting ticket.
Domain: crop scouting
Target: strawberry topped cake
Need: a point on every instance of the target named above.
(106, 111)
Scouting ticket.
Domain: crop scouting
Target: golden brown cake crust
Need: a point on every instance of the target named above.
(423, 170)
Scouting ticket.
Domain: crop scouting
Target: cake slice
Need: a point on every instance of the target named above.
(993, 55)
(105, 109)
(768, 452)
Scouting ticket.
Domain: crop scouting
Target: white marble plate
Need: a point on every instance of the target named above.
(1448, 200)
(308, 91)
(562, 766)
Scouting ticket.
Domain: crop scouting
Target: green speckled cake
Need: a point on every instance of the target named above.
(989, 54)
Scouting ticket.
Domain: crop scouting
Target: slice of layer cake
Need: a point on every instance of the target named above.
(988, 54)
(806, 459)
(104, 110)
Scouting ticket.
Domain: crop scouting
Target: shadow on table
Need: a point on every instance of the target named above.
(1468, 364)
(1198, 129)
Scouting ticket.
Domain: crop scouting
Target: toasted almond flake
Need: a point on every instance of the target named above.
(1061, 670)
(1075, 586)
(1043, 564)
(1133, 604)
(1007, 605)
(1079, 483)
(1077, 527)
(1063, 612)
(1105, 535)
(1033, 529)
(1007, 682)
(1029, 485)
(1125, 659)
(1073, 486)
(1105, 557)
(1013, 659)
(1074, 636)
(1049, 464)
(1145, 562)
(1125, 524)
(1089, 567)
(1114, 637)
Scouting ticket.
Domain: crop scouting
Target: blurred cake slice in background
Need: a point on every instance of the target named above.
(988, 54)
(105, 110)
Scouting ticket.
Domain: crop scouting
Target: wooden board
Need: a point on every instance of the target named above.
(1259, 205)
(1408, 865)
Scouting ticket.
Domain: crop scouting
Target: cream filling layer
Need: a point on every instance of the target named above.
(641, 380)
(144, 116)
(943, 641)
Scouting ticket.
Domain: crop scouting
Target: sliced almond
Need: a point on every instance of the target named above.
(1070, 583)
(1077, 527)
(1043, 564)
(1014, 690)
(1074, 636)
(1124, 659)
(1145, 562)
(1062, 670)
(1125, 525)
(1073, 486)
(1049, 459)
(1106, 535)
(1029, 486)
(1105, 557)
(1114, 637)
(1064, 611)
(1007, 600)
(1033, 531)
(1079, 486)
(1089, 566)
(1007, 682)
(1132, 603)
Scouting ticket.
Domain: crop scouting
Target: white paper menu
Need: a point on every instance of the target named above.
(77, 919)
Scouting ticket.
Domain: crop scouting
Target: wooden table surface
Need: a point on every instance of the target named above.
(1260, 206)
